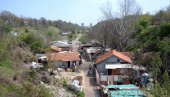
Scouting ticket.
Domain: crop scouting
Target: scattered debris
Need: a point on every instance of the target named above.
(46, 79)
(77, 83)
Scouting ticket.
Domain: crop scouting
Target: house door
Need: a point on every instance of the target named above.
(109, 71)
(69, 64)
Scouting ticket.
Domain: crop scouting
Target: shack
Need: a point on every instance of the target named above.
(64, 60)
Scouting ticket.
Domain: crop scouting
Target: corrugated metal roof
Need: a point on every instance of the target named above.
(56, 48)
(116, 66)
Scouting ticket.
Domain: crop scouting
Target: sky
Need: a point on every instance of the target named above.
(75, 11)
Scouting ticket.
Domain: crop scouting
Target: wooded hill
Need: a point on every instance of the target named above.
(146, 35)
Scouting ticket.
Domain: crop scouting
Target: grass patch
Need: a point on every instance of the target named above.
(54, 29)
(6, 68)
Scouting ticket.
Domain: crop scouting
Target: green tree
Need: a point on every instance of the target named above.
(166, 82)
(83, 38)
(158, 91)
(144, 21)
(156, 64)
(70, 37)
(164, 30)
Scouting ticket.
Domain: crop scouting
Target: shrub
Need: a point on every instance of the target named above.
(164, 30)
(64, 82)
(80, 94)
(37, 46)
(158, 91)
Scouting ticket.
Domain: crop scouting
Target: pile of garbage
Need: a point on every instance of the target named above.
(147, 81)
(77, 83)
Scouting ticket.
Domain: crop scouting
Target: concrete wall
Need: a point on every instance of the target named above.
(62, 64)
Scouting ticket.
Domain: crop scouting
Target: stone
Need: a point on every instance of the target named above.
(46, 79)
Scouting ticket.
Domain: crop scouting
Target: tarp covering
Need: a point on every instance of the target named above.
(128, 90)
(128, 86)
(127, 93)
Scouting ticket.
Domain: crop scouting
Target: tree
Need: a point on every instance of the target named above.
(166, 82)
(43, 22)
(124, 25)
(70, 37)
(158, 91)
(156, 65)
(4, 29)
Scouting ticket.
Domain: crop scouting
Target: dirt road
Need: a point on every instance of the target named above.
(76, 43)
(90, 85)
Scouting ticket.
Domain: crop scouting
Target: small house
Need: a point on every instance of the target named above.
(64, 59)
(97, 54)
(115, 67)
(55, 49)
(89, 49)
(62, 45)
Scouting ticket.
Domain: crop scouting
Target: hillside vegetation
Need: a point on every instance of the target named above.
(148, 37)
(20, 39)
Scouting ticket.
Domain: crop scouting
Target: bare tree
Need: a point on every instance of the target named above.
(9, 18)
(107, 11)
(129, 12)
(123, 27)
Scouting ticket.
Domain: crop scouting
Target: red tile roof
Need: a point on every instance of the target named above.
(113, 53)
(63, 56)
(128, 54)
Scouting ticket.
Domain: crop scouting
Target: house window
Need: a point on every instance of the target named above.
(118, 60)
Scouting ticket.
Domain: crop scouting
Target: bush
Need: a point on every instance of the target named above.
(84, 38)
(26, 38)
(80, 94)
(37, 46)
(164, 45)
(164, 30)
(35, 43)
(64, 82)
(158, 91)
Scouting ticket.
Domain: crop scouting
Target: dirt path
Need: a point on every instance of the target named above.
(90, 85)
(76, 43)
